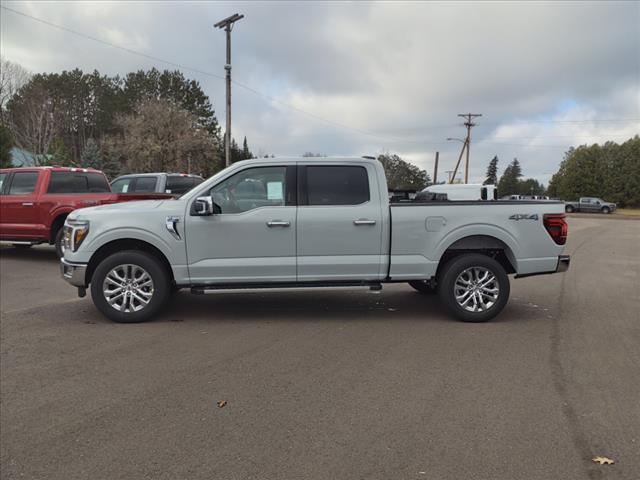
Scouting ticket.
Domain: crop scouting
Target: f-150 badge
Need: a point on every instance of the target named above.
(524, 216)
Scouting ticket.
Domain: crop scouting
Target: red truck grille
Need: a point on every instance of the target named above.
(557, 227)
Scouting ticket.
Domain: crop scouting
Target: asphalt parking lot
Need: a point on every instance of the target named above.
(328, 384)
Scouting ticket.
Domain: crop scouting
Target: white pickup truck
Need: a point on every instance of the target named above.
(308, 222)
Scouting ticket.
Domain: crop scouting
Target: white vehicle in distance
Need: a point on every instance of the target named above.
(469, 191)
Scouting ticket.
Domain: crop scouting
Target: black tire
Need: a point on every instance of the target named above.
(606, 210)
(22, 246)
(155, 269)
(58, 242)
(568, 209)
(458, 265)
(423, 286)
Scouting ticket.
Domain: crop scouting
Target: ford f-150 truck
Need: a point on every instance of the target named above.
(308, 222)
(35, 201)
(590, 204)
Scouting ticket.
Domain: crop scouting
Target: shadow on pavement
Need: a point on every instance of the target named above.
(33, 254)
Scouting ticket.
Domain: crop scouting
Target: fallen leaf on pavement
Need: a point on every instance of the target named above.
(221, 403)
(603, 460)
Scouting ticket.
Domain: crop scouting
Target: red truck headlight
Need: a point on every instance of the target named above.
(556, 226)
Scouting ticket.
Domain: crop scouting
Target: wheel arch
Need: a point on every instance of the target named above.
(57, 223)
(127, 244)
(489, 245)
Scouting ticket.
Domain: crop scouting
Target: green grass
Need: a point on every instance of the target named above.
(628, 211)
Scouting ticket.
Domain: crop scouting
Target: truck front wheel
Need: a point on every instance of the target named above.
(569, 209)
(474, 287)
(130, 286)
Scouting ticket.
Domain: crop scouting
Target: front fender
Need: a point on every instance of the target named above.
(83, 255)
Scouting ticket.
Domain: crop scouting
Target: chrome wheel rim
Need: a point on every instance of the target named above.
(128, 288)
(476, 289)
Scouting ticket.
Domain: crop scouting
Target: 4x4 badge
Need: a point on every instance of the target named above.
(524, 216)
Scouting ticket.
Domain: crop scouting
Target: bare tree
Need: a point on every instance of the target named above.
(32, 122)
(162, 136)
(12, 77)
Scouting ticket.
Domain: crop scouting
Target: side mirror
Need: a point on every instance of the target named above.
(204, 206)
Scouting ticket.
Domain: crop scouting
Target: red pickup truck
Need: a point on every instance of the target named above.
(34, 201)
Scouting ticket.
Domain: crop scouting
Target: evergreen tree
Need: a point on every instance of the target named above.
(492, 172)
(246, 153)
(91, 156)
(508, 184)
(6, 144)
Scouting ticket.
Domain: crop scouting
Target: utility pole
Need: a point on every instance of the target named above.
(435, 169)
(227, 24)
(468, 124)
(464, 145)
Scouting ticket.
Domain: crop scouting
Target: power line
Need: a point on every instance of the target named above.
(197, 70)
(272, 99)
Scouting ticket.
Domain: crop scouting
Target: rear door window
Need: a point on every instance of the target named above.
(145, 184)
(178, 184)
(337, 185)
(77, 182)
(3, 177)
(23, 183)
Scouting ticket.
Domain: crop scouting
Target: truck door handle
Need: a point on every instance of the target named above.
(364, 221)
(278, 223)
(27, 204)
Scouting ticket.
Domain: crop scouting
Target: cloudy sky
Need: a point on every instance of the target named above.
(361, 78)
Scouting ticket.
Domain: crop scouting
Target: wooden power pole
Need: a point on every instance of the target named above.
(468, 124)
(435, 169)
(227, 24)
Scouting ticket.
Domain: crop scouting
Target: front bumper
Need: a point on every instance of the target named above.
(74, 273)
(561, 266)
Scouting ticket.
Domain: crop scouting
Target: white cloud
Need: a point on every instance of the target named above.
(402, 71)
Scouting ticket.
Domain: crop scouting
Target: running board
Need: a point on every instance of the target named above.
(19, 242)
(202, 289)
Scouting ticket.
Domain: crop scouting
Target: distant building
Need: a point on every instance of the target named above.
(24, 158)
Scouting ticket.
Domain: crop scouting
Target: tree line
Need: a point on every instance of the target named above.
(146, 120)
(610, 171)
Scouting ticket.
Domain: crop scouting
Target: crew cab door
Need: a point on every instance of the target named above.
(252, 239)
(19, 212)
(339, 222)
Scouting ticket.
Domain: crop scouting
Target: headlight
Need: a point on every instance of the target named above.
(75, 231)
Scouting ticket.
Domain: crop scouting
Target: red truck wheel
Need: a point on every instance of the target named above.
(58, 243)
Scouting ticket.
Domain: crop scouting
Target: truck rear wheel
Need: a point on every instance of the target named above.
(569, 209)
(474, 287)
(130, 286)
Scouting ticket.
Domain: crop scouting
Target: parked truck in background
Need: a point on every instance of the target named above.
(308, 223)
(590, 205)
(174, 183)
(35, 201)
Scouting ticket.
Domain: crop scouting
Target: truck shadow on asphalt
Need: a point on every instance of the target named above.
(336, 305)
(44, 254)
